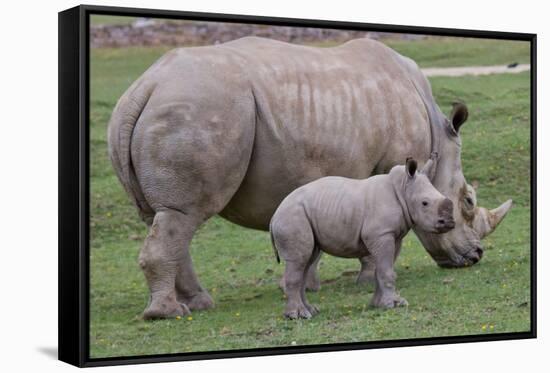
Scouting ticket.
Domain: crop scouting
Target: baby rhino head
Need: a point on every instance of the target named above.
(430, 210)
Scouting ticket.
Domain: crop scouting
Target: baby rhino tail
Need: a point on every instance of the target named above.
(273, 244)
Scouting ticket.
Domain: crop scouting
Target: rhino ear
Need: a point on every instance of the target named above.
(411, 166)
(459, 115)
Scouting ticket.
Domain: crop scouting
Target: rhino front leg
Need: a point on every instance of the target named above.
(385, 294)
(368, 267)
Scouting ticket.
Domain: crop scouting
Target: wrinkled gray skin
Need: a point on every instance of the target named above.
(481, 220)
(232, 129)
(352, 218)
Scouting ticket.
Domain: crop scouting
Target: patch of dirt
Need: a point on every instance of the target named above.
(150, 32)
(475, 70)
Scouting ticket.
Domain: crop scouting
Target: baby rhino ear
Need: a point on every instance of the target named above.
(410, 167)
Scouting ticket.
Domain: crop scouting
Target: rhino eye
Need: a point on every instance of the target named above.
(424, 203)
(469, 201)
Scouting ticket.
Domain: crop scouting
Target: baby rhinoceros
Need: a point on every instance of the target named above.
(352, 219)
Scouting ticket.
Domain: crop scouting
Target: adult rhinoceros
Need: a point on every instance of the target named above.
(232, 129)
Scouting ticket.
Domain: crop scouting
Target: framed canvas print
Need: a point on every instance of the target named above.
(234, 186)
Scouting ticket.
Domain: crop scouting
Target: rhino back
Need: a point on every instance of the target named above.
(349, 110)
(309, 112)
(349, 103)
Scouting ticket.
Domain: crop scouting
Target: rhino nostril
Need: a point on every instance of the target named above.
(479, 252)
(475, 255)
(441, 221)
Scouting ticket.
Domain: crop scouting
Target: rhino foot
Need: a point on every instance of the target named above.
(314, 310)
(299, 312)
(200, 301)
(165, 308)
(389, 302)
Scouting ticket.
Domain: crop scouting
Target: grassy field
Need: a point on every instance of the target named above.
(450, 52)
(106, 20)
(238, 268)
(447, 52)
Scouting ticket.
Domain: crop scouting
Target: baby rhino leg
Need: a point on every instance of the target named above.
(293, 240)
(385, 294)
(367, 274)
(313, 283)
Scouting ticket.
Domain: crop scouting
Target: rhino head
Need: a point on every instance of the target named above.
(461, 246)
(428, 208)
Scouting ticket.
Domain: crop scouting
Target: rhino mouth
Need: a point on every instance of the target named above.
(465, 260)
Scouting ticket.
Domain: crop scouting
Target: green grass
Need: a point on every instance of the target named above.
(107, 20)
(238, 268)
(451, 52)
(447, 52)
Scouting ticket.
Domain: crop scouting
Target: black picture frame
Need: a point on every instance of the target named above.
(74, 90)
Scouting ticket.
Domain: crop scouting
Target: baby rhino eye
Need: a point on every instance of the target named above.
(424, 203)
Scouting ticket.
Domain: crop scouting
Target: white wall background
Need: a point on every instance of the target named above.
(28, 184)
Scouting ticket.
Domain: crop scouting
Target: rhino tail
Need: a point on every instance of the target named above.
(119, 137)
(273, 244)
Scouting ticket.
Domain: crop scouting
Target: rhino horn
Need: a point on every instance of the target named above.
(499, 213)
(486, 221)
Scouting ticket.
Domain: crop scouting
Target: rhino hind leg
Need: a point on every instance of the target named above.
(189, 163)
(188, 289)
(295, 244)
(159, 260)
(297, 306)
(313, 282)
(312, 264)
